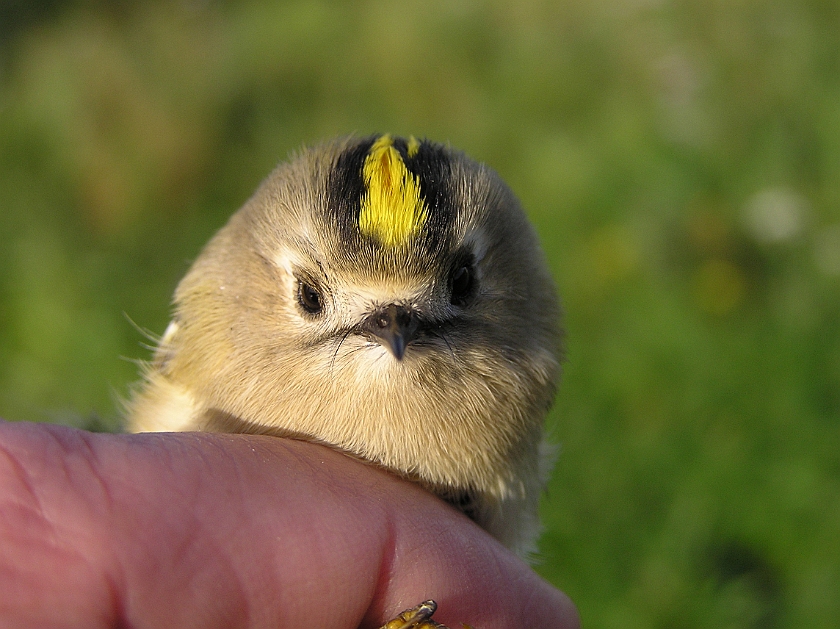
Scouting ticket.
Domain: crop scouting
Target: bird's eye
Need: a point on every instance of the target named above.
(463, 284)
(309, 298)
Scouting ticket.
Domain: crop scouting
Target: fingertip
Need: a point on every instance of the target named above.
(442, 555)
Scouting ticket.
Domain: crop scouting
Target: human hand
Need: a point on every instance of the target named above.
(211, 530)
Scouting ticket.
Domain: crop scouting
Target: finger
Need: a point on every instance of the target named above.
(233, 531)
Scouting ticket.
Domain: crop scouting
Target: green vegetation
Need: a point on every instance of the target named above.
(680, 159)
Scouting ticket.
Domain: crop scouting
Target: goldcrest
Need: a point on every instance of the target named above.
(388, 297)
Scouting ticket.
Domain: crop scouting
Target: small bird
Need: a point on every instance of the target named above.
(386, 296)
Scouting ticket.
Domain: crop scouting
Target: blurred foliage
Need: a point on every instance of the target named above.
(681, 160)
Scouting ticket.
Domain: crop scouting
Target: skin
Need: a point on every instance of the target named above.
(214, 530)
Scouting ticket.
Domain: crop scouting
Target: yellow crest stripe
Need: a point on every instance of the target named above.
(413, 146)
(392, 209)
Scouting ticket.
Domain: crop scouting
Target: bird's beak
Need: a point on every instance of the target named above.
(394, 327)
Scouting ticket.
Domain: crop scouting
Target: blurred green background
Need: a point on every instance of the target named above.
(680, 159)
